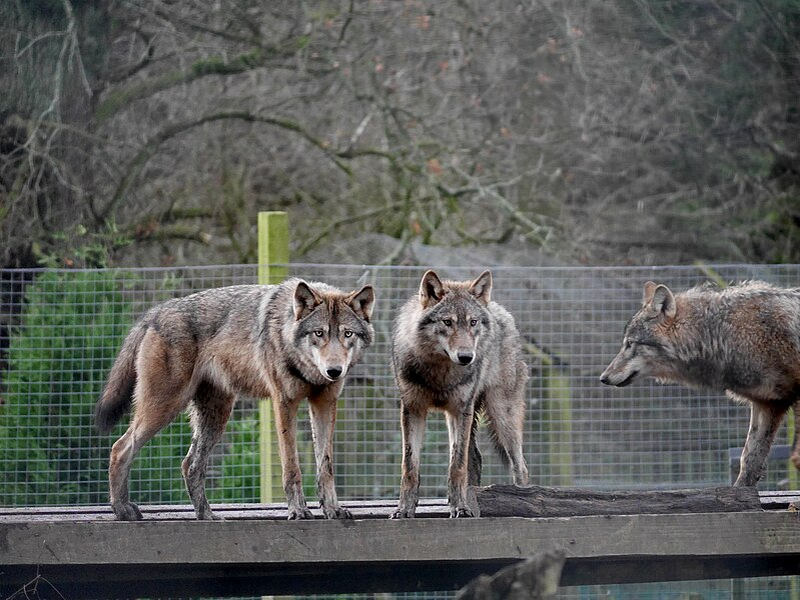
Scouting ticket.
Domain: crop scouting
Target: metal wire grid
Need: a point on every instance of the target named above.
(62, 330)
(760, 588)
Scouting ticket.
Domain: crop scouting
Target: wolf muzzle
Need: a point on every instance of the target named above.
(333, 373)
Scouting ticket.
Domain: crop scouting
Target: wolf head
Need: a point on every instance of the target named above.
(645, 345)
(454, 315)
(331, 327)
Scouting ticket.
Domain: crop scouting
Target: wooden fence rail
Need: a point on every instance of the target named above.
(84, 553)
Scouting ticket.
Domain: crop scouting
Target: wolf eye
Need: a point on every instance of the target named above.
(447, 322)
(473, 322)
(319, 332)
(348, 333)
(628, 345)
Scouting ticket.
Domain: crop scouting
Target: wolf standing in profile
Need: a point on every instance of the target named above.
(744, 340)
(290, 341)
(455, 350)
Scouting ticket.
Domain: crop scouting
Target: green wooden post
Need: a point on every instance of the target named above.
(557, 419)
(273, 256)
(559, 398)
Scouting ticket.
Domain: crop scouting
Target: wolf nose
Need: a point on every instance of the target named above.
(334, 372)
(465, 357)
(604, 379)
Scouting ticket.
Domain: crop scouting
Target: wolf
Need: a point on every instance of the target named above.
(743, 339)
(289, 341)
(456, 350)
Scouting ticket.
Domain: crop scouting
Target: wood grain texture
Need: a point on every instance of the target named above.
(85, 553)
(539, 501)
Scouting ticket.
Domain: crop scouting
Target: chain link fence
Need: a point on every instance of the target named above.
(61, 330)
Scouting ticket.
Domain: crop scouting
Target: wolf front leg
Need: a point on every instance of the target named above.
(459, 426)
(764, 422)
(412, 423)
(323, 419)
(285, 410)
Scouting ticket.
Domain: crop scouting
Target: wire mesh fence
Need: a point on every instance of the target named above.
(62, 330)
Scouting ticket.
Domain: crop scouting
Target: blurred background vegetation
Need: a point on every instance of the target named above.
(595, 132)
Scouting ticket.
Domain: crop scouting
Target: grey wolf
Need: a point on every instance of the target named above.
(290, 341)
(456, 350)
(744, 340)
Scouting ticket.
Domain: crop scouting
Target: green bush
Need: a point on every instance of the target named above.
(71, 329)
(72, 325)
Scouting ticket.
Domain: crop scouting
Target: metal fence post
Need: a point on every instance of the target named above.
(273, 256)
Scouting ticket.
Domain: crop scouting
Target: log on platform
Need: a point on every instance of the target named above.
(538, 501)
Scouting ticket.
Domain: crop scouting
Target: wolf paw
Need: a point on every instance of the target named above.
(460, 512)
(336, 512)
(403, 513)
(295, 514)
(209, 515)
(127, 511)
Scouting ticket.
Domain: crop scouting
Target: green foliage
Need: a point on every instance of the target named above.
(79, 247)
(71, 330)
(238, 480)
(73, 325)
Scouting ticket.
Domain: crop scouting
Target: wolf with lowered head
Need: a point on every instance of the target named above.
(290, 341)
(456, 350)
(743, 339)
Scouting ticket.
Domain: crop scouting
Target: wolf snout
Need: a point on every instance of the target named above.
(617, 382)
(334, 372)
(464, 358)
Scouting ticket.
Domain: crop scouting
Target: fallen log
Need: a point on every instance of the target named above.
(533, 579)
(539, 501)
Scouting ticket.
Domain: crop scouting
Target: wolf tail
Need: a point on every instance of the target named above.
(118, 394)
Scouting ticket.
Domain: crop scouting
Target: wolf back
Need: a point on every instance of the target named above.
(455, 350)
(744, 340)
(290, 341)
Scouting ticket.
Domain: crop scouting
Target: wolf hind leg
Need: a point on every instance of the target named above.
(160, 394)
(505, 413)
(474, 458)
(764, 422)
(142, 429)
(412, 425)
(210, 412)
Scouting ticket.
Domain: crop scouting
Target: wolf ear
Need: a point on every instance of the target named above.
(649, 290)
(659, 299)
(431, 289)
(305, 300)
(481, 288)
(362, 302)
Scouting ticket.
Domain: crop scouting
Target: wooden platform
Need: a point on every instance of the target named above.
(84, 553)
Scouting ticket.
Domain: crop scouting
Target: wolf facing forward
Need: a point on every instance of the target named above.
(744, 340)
(290, 341)
(455, 350)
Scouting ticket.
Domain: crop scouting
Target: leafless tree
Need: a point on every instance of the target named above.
(632, 130)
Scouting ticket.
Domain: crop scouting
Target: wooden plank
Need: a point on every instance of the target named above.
(780, 500)
(321, 556)
(539, 501)
(363, 509)
(428, 507)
